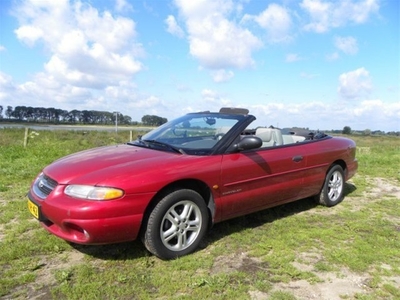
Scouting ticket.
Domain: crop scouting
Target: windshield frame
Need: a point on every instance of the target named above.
(188, 140)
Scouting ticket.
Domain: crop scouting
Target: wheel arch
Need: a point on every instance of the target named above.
(192, 184)
(324, 196)
(342, 164)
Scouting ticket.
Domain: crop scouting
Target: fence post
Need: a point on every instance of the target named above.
(26, 136)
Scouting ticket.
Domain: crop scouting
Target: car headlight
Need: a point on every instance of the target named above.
(90, 192)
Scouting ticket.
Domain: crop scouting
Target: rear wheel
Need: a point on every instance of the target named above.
(176, 225)
(333, 189)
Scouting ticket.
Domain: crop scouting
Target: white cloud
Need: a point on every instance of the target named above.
(214, 100)
(354, 84)
(375, 113)
(325, 15)
(367, 107)
(88, 50)
(173, 27)
(29, 34)
(373, 107)
(129, 99)
(113, 33)
(332, 56)
(84, 43)
(221, 75)
(2, 48)
(276, 21)
(214, 40)
(209, 95)
(7, 88)
(43, 21)
(48, 92)
(369, 114)
(292, 57)
(347, 44)
(122, 5)
(308, 75)
(203, 8)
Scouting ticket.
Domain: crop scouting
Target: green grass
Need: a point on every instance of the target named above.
(239, 256)
(378, 156)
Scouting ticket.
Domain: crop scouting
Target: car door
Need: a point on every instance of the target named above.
(257, 179)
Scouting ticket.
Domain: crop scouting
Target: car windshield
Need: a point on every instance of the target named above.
(195, 134)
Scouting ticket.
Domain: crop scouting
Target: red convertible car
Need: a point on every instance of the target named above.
(169, 186)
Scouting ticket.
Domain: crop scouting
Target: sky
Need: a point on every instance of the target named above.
(315, 64)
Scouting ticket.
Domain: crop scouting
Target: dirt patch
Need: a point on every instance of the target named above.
(2, 235)
(333, 285)
(336, 285)
(342, 284)
(45, 276)
(382, 188)
(237, 262)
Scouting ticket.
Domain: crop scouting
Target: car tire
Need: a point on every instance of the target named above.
(176, 225)
(332, 191)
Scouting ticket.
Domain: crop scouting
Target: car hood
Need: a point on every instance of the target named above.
(108, 165)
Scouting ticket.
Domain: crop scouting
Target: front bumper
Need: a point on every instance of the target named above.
(91, 222)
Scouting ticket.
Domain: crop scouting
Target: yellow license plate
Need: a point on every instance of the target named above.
(34, 209)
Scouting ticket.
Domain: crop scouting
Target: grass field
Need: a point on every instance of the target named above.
(295, 251)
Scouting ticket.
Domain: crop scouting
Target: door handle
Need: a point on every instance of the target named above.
(297, 158)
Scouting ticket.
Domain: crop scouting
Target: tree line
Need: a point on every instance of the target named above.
(59, 116)
(367, 132)
(93, 117)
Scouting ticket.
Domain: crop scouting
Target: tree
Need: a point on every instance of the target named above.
(346, 130)
(87, 117)
(73, 116)
(56, 115)
(367, 132)
(151, 120)
(20, 113)
(9, 111)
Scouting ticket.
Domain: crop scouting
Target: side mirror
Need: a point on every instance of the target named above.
(248, 143)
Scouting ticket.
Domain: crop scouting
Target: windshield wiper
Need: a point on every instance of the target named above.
(138, 143)
(163, 145)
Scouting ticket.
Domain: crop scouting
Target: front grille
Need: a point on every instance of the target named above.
(43, 186)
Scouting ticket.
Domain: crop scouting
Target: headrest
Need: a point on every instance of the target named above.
(264, 133)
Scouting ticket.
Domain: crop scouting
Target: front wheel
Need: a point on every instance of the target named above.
(333, 189)
(176, 225)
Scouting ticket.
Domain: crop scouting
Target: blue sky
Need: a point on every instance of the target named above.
(311, 63)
